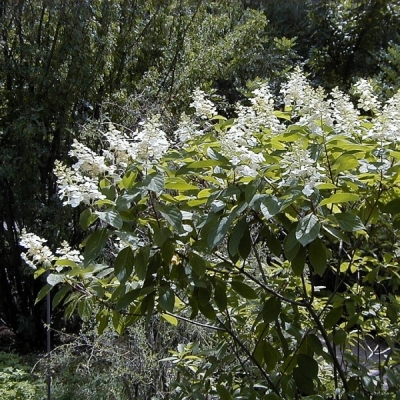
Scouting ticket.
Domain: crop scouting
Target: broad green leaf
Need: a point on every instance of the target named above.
(123, 265)
(203, 164)
(141, 261)
(118, 322)
(336, 233)
(223, 393)
(393, 207)
(154, 182)
(245, 243)
(172, 214)
(271, 309)
(244, 290)
(66, 262)
(349, 222)
(54, 279)
(179, 184)
(308, 366)
(43, 292)
(271, 356)
(166, 298)
(236, 236)
(167, 251)
(307, 229)
(58, 297)
(112, 218)
(303, 382)
(102, 318)
(207, 310)
(291, 245)
(332, 317)
(87, 218)
(273, 243)
(270, 206)
(218, 231)
(340, 198)
(94, 245)
(220, 295)
(345, 162)
(317, 256)
(299, 261)
(127, 299)
(198, 264)
(170, 319)
(85, 308)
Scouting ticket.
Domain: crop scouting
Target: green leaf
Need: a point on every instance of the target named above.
(123, 265)
(345, 162)
(154, 182)
(307, 229)
(308, 366)
(102, 318)
(87, 218)
(203, 164)
(332, 317)
(223, 392)
(317, 256)
(218, 232)
(112, 218)
(270, 206)
(198, 264)
(179, 184)
(393, 207)
(291, 245)
(271, 309)
(127, 299)
(85, 308)
(118, 322)
(94, 245)
(141, 261)
(220, 295)
(54, 279)
(60, 295)
(336, 233)
(340, 198)
(349, 222)
(244, 290)
(299, 261)
(43, 292)
(245, 244)
(169, 318)
(172, 215)
(236, 236)
(166, 298)
(273, 243)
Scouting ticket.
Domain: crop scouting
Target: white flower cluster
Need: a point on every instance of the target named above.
(121, 150)
(386, 127)
(260, 115)
(75, 187)
(203, 106)
(246, 161)
(299, 168)
(187, 129)
(37, 253)
(307, 102)
(344, 114)
(80, 184)
(368, 101)
(89, 162)
(66, 253)
(151, 142)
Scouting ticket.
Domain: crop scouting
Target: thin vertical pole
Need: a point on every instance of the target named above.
(48, 320)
